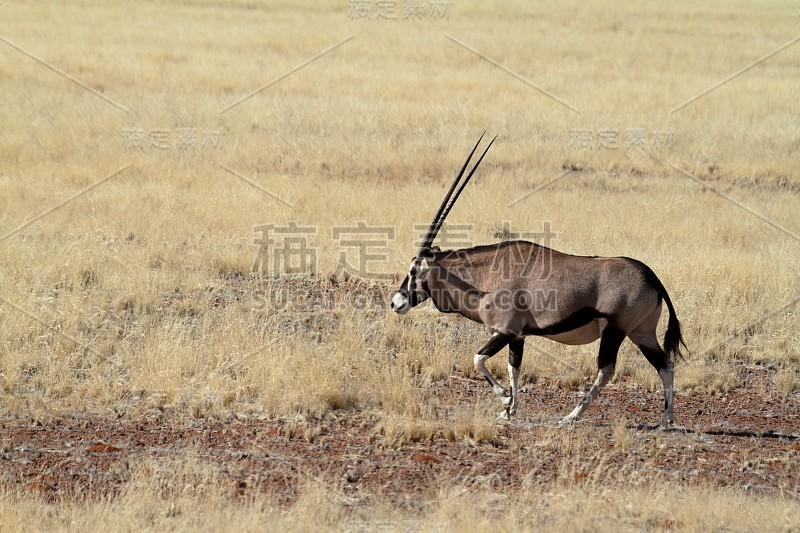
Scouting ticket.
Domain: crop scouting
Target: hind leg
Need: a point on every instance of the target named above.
(610, 340)
(644, 337)
(648, 344)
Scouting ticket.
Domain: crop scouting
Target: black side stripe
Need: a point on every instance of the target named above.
(574, 321)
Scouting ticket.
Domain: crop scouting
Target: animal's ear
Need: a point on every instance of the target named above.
(428, 252)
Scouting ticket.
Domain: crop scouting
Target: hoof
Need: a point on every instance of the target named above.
(503, 393)
(566, 421)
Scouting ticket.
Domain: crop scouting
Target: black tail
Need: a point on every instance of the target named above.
(673, 339)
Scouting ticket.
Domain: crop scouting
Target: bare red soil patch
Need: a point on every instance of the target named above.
(747, 439)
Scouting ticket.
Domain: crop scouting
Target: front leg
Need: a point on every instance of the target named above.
(515, 349)
(497, 343)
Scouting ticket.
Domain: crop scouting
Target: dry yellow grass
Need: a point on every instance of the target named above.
(108, 301)
(184, 494)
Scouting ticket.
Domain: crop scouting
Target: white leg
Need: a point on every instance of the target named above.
(497, 343)
(480, 366)
(603, 377)
(648, 344)
(667, 376)
(513, 378)
(610, 341)
(510, 402)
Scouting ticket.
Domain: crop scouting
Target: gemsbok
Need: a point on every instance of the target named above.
(519, 288)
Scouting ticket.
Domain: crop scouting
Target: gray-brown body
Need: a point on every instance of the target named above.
(518, 288)
(557, 286)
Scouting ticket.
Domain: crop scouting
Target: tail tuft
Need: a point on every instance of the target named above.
(673, 339)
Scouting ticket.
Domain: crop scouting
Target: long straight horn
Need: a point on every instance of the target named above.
(432, 229)
(460, 188)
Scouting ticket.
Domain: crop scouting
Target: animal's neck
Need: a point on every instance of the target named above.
(452, 294)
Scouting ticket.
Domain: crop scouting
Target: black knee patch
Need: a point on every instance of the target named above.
(497, 343)
(515, 349)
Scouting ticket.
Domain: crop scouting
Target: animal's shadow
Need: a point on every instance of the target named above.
(771, 434)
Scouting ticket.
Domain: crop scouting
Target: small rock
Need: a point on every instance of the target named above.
(351, 475)
(423, 458)
(99, 447)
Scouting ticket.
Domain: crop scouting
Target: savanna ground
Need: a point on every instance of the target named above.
(206, 205)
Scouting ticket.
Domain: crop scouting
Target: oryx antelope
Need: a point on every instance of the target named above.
(519, 288)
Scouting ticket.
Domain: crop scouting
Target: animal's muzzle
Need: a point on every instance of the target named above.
(400, 302)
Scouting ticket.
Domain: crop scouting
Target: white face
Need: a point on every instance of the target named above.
(412, 292)
(400, 303)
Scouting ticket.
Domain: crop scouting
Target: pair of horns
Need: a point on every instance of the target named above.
(447, 203)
